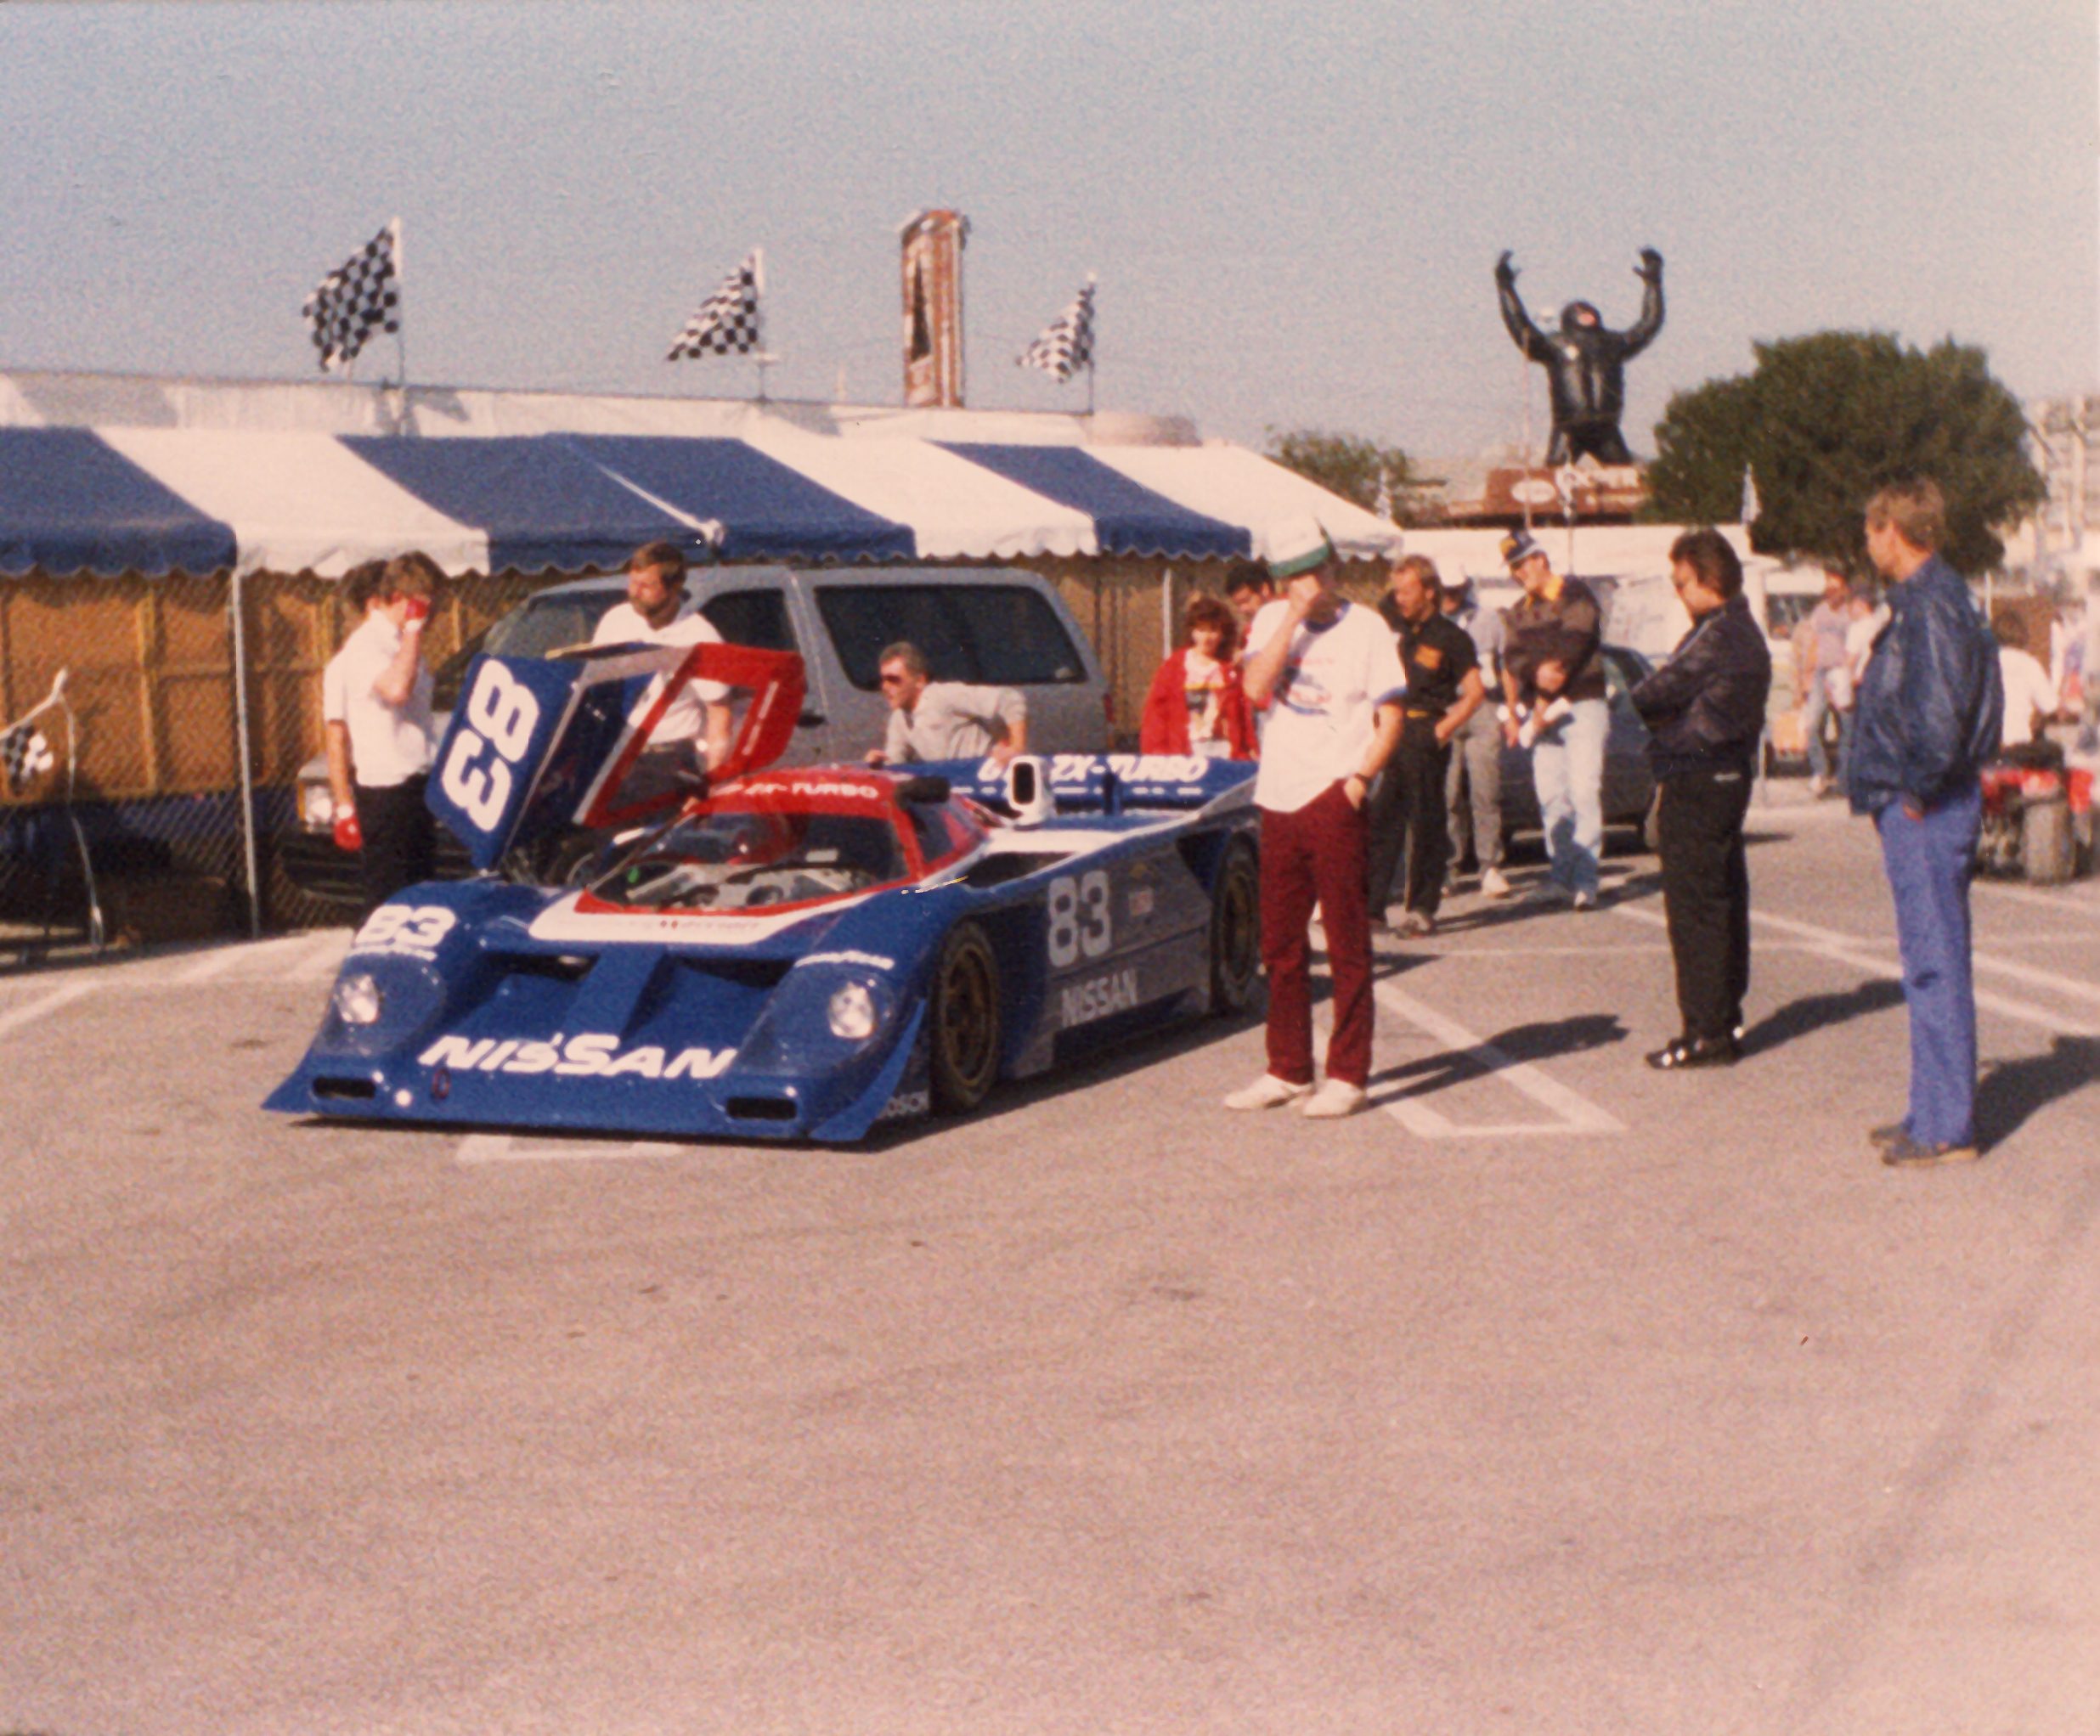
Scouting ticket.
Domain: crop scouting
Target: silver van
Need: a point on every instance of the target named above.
(992, 625)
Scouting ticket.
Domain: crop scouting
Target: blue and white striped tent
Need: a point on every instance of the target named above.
(197, 476)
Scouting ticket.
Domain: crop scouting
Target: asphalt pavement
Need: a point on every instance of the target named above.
(1550, 1394)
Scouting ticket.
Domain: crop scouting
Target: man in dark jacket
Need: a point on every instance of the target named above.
(1705, 713)
(1929, 711)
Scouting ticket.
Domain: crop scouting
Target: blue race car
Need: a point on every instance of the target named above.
(791, 955)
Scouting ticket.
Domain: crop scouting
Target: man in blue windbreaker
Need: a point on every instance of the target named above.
(1929, 718)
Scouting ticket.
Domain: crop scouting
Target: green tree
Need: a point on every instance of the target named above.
(1342, 464)
(1822, 421)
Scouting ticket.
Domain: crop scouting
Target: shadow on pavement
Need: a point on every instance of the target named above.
(1544, 1041)
(1812, 1012)
(2012, 1091)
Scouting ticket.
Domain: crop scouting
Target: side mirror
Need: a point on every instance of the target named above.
(1028, 790)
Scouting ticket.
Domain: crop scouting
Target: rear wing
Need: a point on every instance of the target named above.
(538, 745)
(1100, 783)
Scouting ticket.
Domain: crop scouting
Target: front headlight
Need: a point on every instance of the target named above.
(317, 807)
(358, 1000)
(852, 1012)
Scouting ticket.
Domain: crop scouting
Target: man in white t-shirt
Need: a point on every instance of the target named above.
(693, 734)
(1330, 675)
(2029, 692)
(376, 723)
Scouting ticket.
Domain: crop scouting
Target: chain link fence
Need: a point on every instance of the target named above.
(167, 797)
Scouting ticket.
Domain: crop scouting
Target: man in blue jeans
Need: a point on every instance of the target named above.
(1553, 677)
(1929, 718)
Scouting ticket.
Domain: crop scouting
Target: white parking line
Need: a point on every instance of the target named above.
(16, 1017)
(503, 1148)
(1849, 948)
(1573, 1112)
(220, 960)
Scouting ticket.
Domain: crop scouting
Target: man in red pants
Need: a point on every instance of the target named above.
(1330, 674)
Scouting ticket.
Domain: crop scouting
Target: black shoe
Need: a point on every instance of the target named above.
(1904, 1152)
(1888, 1133)
(1695, 1052)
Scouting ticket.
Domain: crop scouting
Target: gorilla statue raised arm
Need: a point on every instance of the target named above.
(1585, 364)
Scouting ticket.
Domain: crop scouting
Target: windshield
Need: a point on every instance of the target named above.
(746, 859)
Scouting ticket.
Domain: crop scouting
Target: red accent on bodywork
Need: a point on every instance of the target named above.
(776, 683)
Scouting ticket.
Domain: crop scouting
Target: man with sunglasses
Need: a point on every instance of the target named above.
(931, 719)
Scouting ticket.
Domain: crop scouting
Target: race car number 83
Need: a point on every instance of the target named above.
(1080, 923)
(500, 713)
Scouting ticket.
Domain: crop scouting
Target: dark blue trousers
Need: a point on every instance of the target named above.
(1929, 861)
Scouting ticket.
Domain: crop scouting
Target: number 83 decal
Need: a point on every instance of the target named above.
(1080, 921)
(477, 773)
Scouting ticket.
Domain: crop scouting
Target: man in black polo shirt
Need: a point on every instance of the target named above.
(1444, 690)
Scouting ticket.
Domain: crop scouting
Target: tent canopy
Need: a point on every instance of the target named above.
(554, 485)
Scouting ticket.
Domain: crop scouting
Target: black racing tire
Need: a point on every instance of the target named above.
(1235, 931)
(963, 1021)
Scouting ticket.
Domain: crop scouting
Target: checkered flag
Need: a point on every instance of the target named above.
(24, 755)
(1066, 344)
(727, 322)
(360, 296)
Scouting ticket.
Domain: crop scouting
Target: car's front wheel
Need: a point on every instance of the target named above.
(962, 1016)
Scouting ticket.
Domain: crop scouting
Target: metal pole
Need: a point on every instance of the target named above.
(247, 760)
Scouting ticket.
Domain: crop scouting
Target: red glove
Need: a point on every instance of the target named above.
(349, 835)
(418, 612)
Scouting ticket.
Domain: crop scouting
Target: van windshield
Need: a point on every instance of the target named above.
(1000, 635)
(543, 622)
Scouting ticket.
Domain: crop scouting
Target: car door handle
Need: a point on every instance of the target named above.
(810, 720)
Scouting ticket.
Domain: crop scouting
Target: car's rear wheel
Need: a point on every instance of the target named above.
(1235, 930)
(962, 1016)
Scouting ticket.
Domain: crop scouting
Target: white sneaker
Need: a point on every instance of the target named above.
(1491, 884)
(1336, 1097)
(1584, 901)
(1268, 1092)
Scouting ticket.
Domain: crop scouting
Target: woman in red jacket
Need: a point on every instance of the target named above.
(1197, 705)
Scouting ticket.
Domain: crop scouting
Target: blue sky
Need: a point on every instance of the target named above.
(1294, 210)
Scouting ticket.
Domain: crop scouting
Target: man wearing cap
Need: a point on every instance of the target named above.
(1330, 674)
(1553, 677)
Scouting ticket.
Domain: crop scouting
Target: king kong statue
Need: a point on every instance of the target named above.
(1586, 364)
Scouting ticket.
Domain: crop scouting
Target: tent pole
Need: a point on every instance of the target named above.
(247, 760)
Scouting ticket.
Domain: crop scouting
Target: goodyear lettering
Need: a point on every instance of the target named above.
(1097, 998)
(588, 1055)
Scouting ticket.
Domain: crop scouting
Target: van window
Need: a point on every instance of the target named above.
(1002, 635)
(757, 617)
